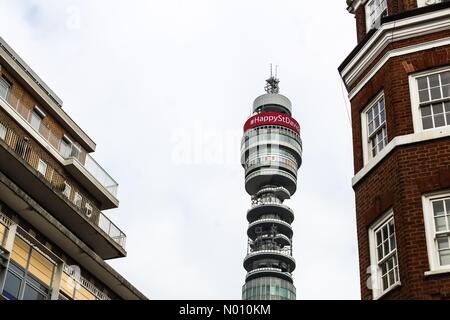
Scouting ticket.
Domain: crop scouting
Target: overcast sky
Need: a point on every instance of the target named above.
(164, 88)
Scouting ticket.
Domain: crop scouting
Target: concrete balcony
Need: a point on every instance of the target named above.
(265, 176)
(285, 213)
(281, 255)
(265, 225)
(76, 160)
(19, 161)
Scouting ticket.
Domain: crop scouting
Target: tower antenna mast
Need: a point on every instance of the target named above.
(272, 84)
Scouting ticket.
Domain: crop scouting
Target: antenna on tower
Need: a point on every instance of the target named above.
(272, 86)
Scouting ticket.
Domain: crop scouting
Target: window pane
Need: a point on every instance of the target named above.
(391, 278)
(426, 111)
(438, 108)
(447, 106)
(436, 93)
(4, 88)
(446, 91)
(31, 293)
(444, 256)
(424, 95)
(440, 224)
(442, 242)
(12, 286)
(434, 80)
(35, 121)
(385, 232)
(370, 115)
(385, 282)
(438, 208)
(386, 248)
(439, 120)
(392, 242)
(371, 128)
(445, 77)
(422, 83)
(427, 123)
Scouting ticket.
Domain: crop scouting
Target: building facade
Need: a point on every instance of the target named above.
(271, 154)
(54, 237)
(398, 79)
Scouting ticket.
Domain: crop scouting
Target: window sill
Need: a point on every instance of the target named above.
(395, 286)
(436, 272)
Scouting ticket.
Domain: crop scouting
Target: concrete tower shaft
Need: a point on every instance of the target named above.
(271, 154)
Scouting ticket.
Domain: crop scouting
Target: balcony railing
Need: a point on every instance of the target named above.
(75, 276)
(21, 147)
(67, 149)
(287, 251)
(5, 225)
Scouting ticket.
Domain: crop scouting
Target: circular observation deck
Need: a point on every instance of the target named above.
(265, 225)
(270, 176)
(284, 212)
(279, 255)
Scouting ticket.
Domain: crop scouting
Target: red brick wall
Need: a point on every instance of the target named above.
(393, 79)
(399, 183)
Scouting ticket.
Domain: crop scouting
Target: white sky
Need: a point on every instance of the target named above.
(164, 88)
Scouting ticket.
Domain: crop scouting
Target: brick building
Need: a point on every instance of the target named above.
(54, 237)
(398, 79)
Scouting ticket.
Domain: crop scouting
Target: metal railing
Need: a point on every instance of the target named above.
(65, 149)
(112, 230)
(269, 220)
(7, 223)
(4, 220)
(22, 147)
(76, 276)
(285, 251)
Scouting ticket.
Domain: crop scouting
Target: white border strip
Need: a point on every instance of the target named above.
(397, 142)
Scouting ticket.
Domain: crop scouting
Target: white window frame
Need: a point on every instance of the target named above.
(8, 87)
(369, 25)
(76, 198)
(367, 152)
(36, 111)
(376, 280)
(44, 165)
(67, 190)
(428, 214)
(415, 101)
(68, 142)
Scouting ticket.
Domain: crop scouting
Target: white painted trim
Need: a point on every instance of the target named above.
(393, 31)
(389, 33)
(396, 53)
(398, 141)
(437, 272)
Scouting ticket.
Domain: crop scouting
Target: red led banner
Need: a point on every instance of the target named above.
(272, 118)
